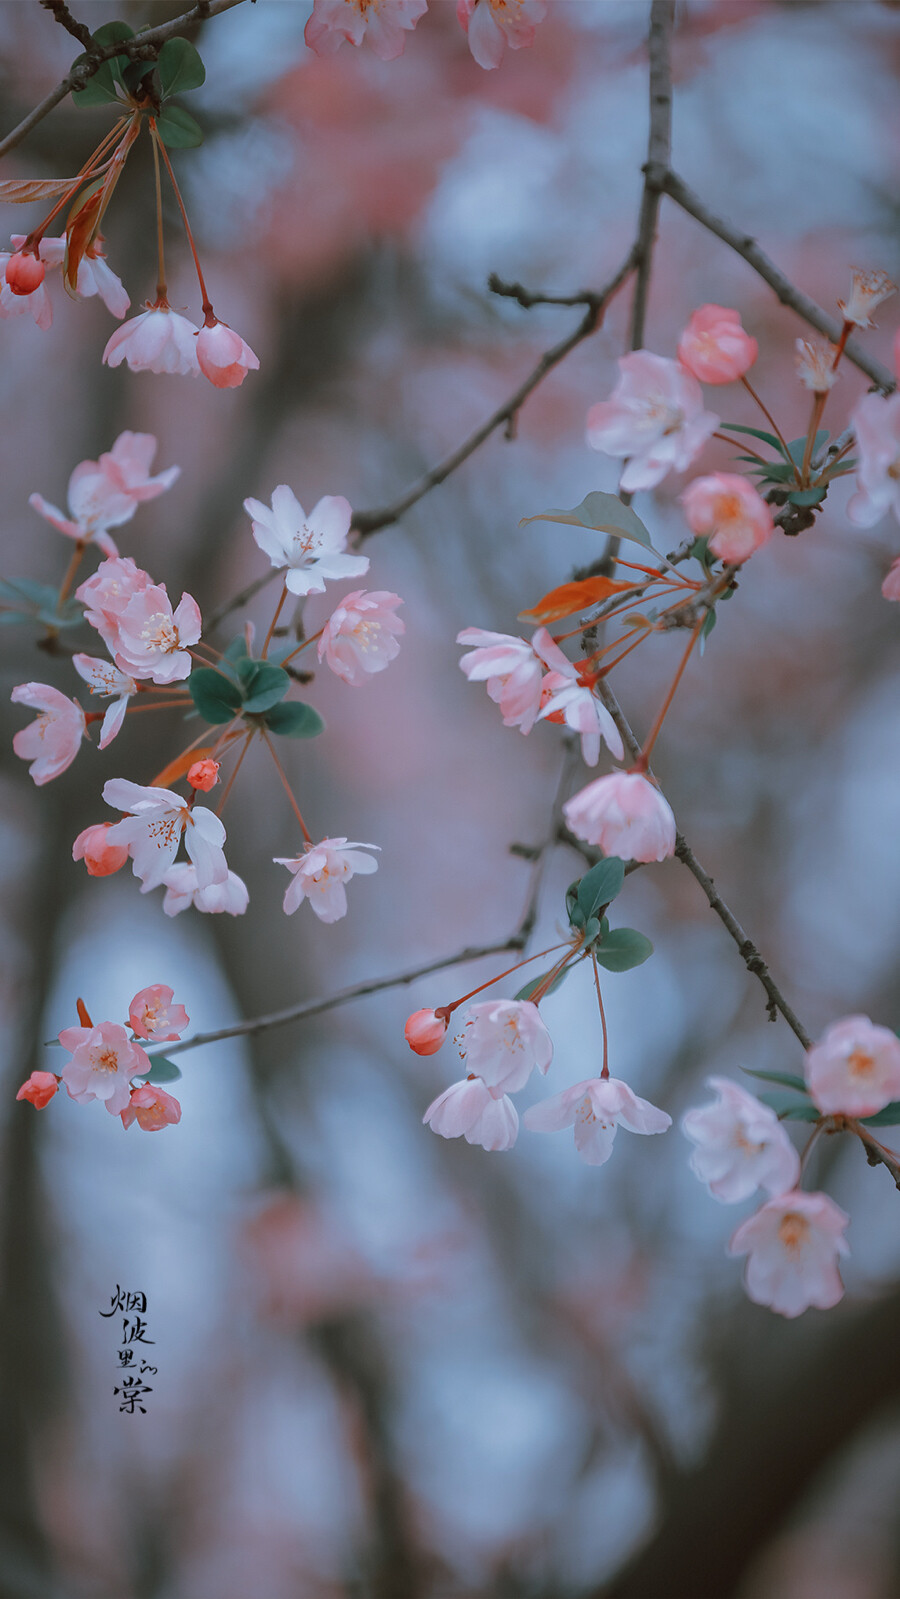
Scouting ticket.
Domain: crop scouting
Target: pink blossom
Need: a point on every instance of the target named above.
(105, 493)
(106, 594)
(159, 340)
(152, 1015)
(104, 1060)
(741, 1143)
(512, 669)
(714, 346)
(425, 1032)
(182, 891)
(360, 637)
(564, 698)
(381, 22)
(504, 1040)
(867, 290)
(94, 275)
(203, 775)
(152, 830)
(51, 742)
(890, 588)
(654, 419)
(39, 1089)
(597, 1108)
(815, 364)
(854, 1069)
(728, 510)
(469, 1109)
(793, 1244)
(106, 679)
(38, 302)
(100, 857)
(24, 273)
(876, 423)
(152, 1108)
(319, 875)
(311, 547)
(153, 640)
(491, 25)
(625, 815)
(223, 356)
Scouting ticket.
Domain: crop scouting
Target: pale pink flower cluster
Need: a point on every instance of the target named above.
(162, 340)
(30, 292)
(514, 672)
(135, 619)
(319, 875)
(730, 512)
(623, 814)
(105, 493)
(155, 822)
(654, 420)
(493, 25)
(793, 1244)
(741, 1145)
(490, 25)
(876, 422)
(503, 1042)
(311, 548)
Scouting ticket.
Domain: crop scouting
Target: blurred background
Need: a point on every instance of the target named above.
(390, 1365)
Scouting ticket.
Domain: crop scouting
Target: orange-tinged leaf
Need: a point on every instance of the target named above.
(572, 597)
(21, 190)
(83, 1013)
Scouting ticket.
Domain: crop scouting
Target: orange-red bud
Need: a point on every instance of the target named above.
(24, 273)
(204, 775)
(425, 1032)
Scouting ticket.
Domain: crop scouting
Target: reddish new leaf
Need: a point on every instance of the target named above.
(21, 190)
(572, 597)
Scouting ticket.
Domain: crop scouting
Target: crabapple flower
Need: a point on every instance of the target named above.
(24, 273)
(319, 875)
(425, 1032)
(182, 892)
(654, 418)
(153, 640)
(95, 276)
(867, 290)
(107, 592)
(728, 510)
(37, 301)
(564, 698)
(311, 547)
(854, 1069)
(152, 1015)
(154, 822)
(512, 670)
(39, 1089)
(104, 1060)
(714, 347)
(596, 1108)
(623, 814)
(468, 1109)
(158, 340)
(360, 637)
(152, 1108)
(104, 678)
(876, 423)
(504, 1040)
(815, 364)
(51, 742)
(491, 25)
(890, 588)
(203, 775)
(105, 493)
(100, 857)
(741, 1145)
(793, 1244)
(381, 22)
(223, 356)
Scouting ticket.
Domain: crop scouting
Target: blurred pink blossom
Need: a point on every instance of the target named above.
(596, 1107)
(468, 1109)
(106, 593)
(360, 637)
(854, 1069)
(380, 22)
(491, 25)
(714, 347)
(51, 742)
(625, 815)
(728, 510)
(793, 1244)
(654, 420)
(105, 493)
(741, 1145)
(814, 361)
(876, 423)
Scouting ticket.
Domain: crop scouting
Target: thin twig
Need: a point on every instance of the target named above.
(62, 15)
(662, 17)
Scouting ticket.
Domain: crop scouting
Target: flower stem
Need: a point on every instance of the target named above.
(818, 407)
(768, 416)
(605, 1071)
(644, 757)
(88, 170)
(230, 784)
(161, 285)
(272, 625)
(307, 836)
(207, 304)
(77, 555)
(447, 1010)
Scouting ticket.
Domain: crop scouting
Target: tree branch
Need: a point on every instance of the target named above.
(662, 18)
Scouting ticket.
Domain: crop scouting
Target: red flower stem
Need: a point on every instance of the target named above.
(230, 784)
(768, 416)
(315, 637)
(807, 1148)
(88, 170)
(447, 1010)
(72, 568)
(642, 634)
(272, 625)
(307, 836)
(818, 407)
(544, 987)
(207, 304)
(846, 330)
(605, 1071)
(161, 285)
(158, 705)
(644, 757)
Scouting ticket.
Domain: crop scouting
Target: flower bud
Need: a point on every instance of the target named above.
(425, 1032)
(100, 858)
(204, 775)
(24, 273)
(39, 1089)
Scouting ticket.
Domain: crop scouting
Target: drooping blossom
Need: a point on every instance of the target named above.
(152, 1108)
(890, 588)
(380, 22)
(100, 857)
(854, 1069)
(503, 1041)
(311, 547)
(876, 423)
(792, 1245)
(625, 815)
(654, 418)
(491, 25)
(203, 775)
(153, 640)
(37, 302)
(815, 364)
(152, 829)
(741, 1145)
(95, 276)
(425, 1032)
(714, 347)
(106, 679)
(223, 356)
(867, 290)
(50, 743)
(104, 1060)
(107, 592)
(468, 1109)
(513, 670)
(566, 698)
(319, 875)
(360, 637)
(230, 897)
(152, 1015)
(596, 1108)
(158, 340)
(39, 1089)
(729, 511)
(105, 493)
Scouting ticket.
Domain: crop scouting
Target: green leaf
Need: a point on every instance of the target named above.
(530, 988)
(179, 67)
(38, 602)
(295, 720)
(216, 697)
(623, 948)
(101, 88)
(757, 433)
(178, 129)
(797, 447)
(787, 1108)
(707, 628)
(163, 1071)
(600, 885)
(808, 496)
(112, 33)
(237, 649)
(779, 472)
(786, 1079)
(603, 513)
(888, 1117)
(265, 686)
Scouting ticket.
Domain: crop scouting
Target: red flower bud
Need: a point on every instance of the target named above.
(24, 273)
(425, 1032)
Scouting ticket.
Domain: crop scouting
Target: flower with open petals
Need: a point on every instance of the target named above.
(867, 290)
(319, 875)
(313, 548)
(727, 510)
(491, 25)
(223, 356)
(815, 364)
(360, 637)
(152, 1015)
(159, 340)
(512, 669)
(425, 1032)
(793, 1244)
(105, 493)
(503, 1041)
(654, 418)
(50, 743)
(468, 1109)
(741, 1145)
(625, 815)
(153, 641)
(106, 679)
(566, 698)
(152, 829)
(854, 1069)
(152, 1108)
(596, 1108)
(380, 22)
(39, 1089)
(104, 1060)
(100, 857)
(182, 891)
(714, 347)
(106, 593)
(876, 423)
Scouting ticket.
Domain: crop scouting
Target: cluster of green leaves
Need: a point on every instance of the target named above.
(796, 1105)
(617, 949)
(25, 601)
(176, 70)
(786, 470)
(243, 686)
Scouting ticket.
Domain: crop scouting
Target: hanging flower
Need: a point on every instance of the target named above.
(741, 1145)
(182, 891)
(596, 1108)
(793, 1244)
(468, 1110)
(625, 815)
(503, 1041)
(51, 742)
(223, 356)
(854, 1069)
(159, 340)
(380, 22)
(319, 875)
(360, 637)
(491, 25)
